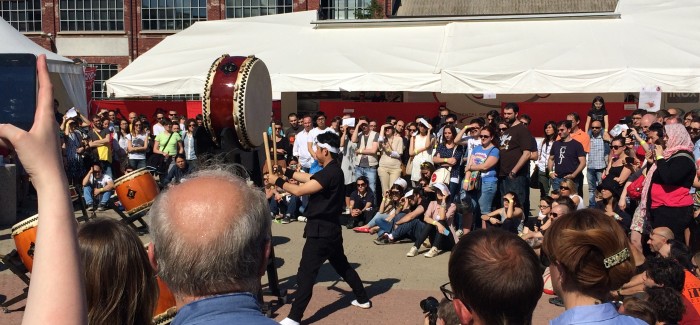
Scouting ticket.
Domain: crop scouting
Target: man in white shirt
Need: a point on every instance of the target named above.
(313, 134)
(300, 149)
(158, 128)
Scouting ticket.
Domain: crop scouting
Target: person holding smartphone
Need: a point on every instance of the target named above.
(57, 293)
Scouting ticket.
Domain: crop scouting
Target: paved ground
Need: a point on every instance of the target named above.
(395, 283)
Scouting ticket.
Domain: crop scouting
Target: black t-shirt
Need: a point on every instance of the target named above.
(513, 142)
(566, 156)
(326, 205)
(597, 115)
(361, 201)
(424, 202)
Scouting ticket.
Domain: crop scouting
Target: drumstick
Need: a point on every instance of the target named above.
(274, 144)
(267, 153)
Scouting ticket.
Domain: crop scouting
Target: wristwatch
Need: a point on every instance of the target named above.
(512, 174)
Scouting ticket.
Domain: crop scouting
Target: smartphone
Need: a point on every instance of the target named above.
(18, 89)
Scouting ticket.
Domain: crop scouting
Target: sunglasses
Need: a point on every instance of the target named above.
(503, 129)
(616, 147)
(172, 114)
(484, 136)
(564, 188)
(553, 214)
(361, 184)
(137, 124)
(411, 130)
(192, 125)
(595, 127)
(395, 193)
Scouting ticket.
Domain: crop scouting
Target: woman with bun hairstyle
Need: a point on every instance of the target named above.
(590, 256)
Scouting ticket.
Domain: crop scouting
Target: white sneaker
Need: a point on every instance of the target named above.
(432, 252)
(346, 211)
(412, 252)
(366, 305)
(288, 321)
(301, 219)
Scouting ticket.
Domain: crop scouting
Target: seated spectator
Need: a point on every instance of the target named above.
(669, 273)
(568, 188)
(389, 209)
(361, 204)
(660, 241)
(111, 250)
(639, 308)
(97, 186)
(667, 303)
(590, 256)
(610, 191)
(178, 171)
(496, 279)
(283, 205)
(409, 223)
(439, 214)
(212, 259)
(509, 217)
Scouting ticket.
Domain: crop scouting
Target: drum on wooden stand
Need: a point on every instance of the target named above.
(238, 95)
(24, 234)
(136, 190)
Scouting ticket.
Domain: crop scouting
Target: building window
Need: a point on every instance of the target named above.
(91, 15)
(252, 8)
(342, 9)
(172, 15)
(104, 72)
(23, 15)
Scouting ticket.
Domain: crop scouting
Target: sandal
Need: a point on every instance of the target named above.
(361, 229)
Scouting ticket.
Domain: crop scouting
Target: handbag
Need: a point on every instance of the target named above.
(634, 190)
(409, 166)
(472, 179)
(442, 174)
(535, 178)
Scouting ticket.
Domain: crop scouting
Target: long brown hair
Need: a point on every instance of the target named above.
(119, 281)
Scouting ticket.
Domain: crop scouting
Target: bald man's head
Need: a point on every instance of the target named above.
(659, 240)
(647, 120)
(211, 235)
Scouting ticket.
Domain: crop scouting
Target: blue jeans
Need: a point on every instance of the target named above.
(87, 194)
(595, 176)
(412, 229)
(485, 196)
(371, 174)
(137, 163)
(384, 226)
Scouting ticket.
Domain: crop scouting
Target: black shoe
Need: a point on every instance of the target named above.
(556, 301)
(383, 240)
(101, 207)
(285, 220)
(351, 224)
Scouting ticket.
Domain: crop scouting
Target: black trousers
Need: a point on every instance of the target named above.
(675, 218)
(316, 251)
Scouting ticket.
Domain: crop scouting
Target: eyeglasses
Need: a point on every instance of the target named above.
(616, 147)
(553, 214)
(503, 129)
(172, 114)
(564, 188)
(192, 125)
(446, 290)
(484, 136)
(361, 184)
(544, 206)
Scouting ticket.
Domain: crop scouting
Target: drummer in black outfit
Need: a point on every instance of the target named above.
(324, 240)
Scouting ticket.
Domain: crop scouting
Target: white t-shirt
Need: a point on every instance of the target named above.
(137, 141)
(102, 182)
(301, 150)
(158, 129)
(313, 134)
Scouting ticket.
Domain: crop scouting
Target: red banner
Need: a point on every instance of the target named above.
(90, 74)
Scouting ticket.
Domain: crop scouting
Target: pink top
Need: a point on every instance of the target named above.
(670, 196)
(432, 211)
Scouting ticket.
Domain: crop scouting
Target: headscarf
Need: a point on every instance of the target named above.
(678, 139)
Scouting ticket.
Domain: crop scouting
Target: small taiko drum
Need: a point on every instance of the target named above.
(238, 95)
(73, 193)
(136, 190)
(166, 300)
(24, 234)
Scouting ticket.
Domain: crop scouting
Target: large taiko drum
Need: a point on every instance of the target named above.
(136, 190)
(166, 317)
(24, 234)
(238, 95)
(166, 300)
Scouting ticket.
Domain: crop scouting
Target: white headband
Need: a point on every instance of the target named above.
(327, 147)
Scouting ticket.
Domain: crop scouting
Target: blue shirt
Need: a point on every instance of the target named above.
(232, 308)
(480, 155)
(595, 314)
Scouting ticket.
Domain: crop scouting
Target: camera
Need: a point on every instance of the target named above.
(430, 307)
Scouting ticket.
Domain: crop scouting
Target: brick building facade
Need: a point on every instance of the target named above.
(109, 34)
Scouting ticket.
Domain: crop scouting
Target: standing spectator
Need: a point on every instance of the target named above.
(550, 136)
(450, 120)
(119, 145)
(97, 185)
(137, 145)
(132, 117)
(492, 118)
(484, 159)
(620, 164)
(366, 162)
(284, 148)
(301, 150)
(361, 204)
(294, 125)
(694, 132)
(598, 113)
(469, 135)
(391, 146)
(597, 158)
(585, 141)
(347, 149)
(688, 118)
(449, 155)
(101, 142)
(567, 159)
(515, 148)
(113, 124)
(665, 195)
(400, 131)
(73, 151)
(167, 143)
(420, 148)
(189, 144)
(204, 141)
(439, 120)
(158, 127)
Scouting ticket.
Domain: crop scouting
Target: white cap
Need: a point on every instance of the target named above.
(443, 188)
(401, 182)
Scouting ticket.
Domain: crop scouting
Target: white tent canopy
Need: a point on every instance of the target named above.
(653, 43)
(67, 78)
